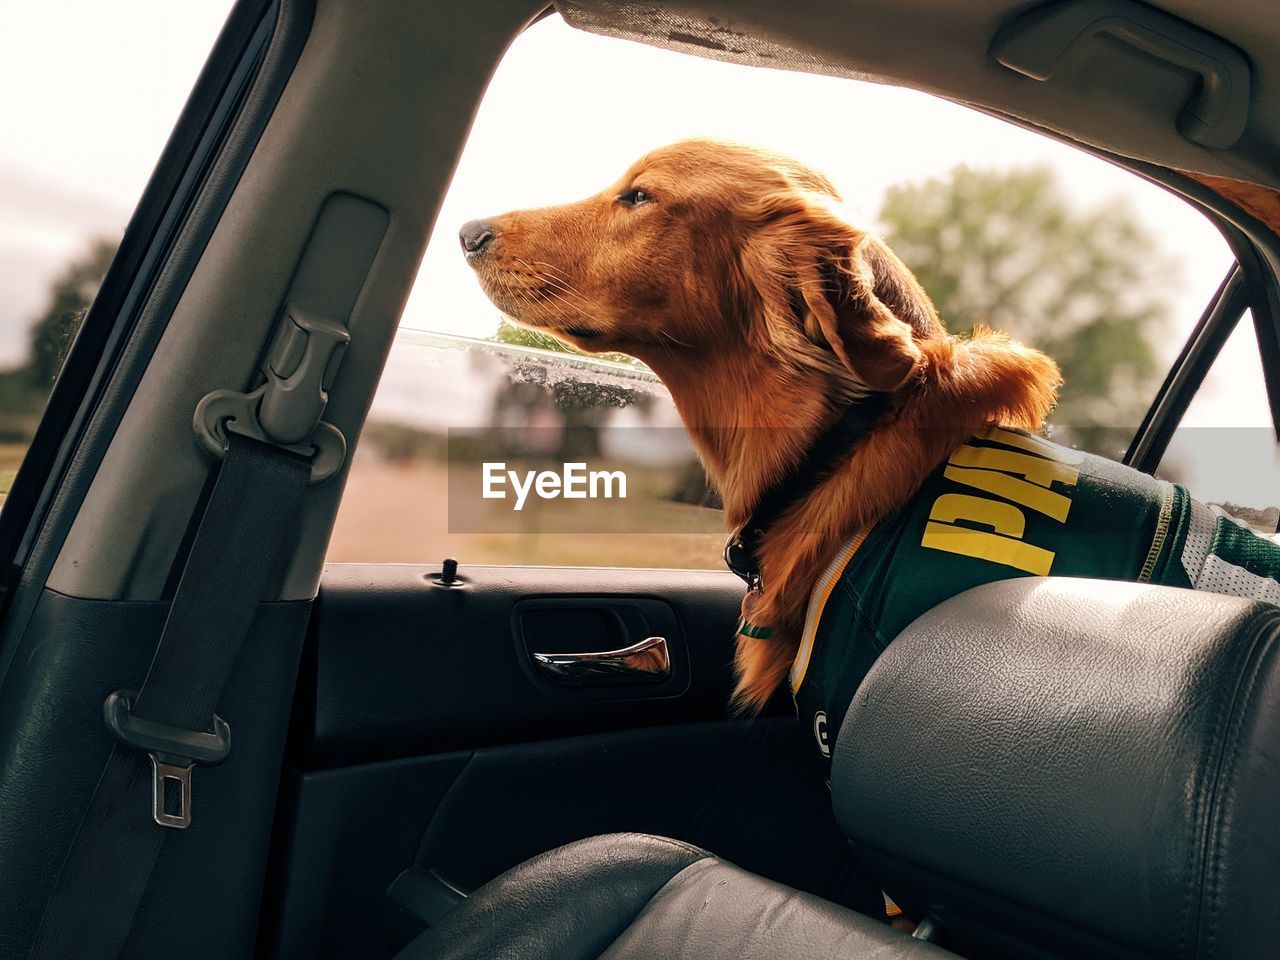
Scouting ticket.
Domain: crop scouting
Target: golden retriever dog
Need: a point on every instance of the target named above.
(733, 274)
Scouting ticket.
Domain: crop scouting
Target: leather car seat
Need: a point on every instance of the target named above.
(1075, 768)
(630, 896)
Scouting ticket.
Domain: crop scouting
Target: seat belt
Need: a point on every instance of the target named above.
(273, 445)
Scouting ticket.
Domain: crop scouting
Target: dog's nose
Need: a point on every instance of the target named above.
(475, 235)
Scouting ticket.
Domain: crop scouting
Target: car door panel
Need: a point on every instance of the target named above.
(400, 666)
(428, 753)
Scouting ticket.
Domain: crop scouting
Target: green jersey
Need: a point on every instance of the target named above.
(1010, 504)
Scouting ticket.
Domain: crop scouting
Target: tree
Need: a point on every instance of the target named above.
(24, 390)
(1004, 249)
(69, 297)
(508, 332)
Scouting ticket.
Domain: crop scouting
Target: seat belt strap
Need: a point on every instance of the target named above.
(234, 557)
(273, 444)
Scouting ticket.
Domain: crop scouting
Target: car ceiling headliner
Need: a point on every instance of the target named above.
(942, 47)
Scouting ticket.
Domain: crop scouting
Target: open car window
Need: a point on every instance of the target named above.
(1005, 228)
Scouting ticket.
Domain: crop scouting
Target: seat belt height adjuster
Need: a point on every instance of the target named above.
(285, 409)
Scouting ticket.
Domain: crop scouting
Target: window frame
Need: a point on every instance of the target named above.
(1257, 251)
(1187, 374)
(1245, 287)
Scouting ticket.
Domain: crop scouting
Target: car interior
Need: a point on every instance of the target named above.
(1039, 768)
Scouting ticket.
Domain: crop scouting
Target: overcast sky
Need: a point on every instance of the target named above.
(85, 113)
(88, 94)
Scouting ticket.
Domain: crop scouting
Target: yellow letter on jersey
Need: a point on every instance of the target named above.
(1002, 546)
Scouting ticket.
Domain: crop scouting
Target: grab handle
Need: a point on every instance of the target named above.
(1036, 43)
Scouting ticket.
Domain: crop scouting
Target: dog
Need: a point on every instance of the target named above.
(870, 464)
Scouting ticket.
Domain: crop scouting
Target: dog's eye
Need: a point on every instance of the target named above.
(633, 198)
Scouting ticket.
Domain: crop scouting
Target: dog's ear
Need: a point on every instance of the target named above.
(868, 307)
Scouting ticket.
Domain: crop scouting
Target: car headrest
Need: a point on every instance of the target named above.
(1075, 768)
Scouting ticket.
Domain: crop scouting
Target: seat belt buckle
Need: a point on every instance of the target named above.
(173, 752)
(285, 410)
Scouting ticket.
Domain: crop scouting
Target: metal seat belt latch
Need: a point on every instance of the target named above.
(173, 752)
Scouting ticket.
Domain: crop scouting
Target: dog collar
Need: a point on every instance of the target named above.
(855, 423)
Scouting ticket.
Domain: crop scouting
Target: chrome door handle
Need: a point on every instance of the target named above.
(645, 662)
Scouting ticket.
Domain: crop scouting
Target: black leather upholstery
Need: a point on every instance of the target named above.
(1092, 768)
(630, 896)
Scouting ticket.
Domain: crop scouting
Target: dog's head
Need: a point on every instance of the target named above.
(709, 246)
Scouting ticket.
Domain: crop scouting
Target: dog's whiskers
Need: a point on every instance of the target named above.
(557, 291)
(555, 271)
(549, 278)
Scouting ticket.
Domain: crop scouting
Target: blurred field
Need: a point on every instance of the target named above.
(396, 511)
(11, 455)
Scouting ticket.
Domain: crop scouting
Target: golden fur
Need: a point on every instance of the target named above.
(765, 312)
